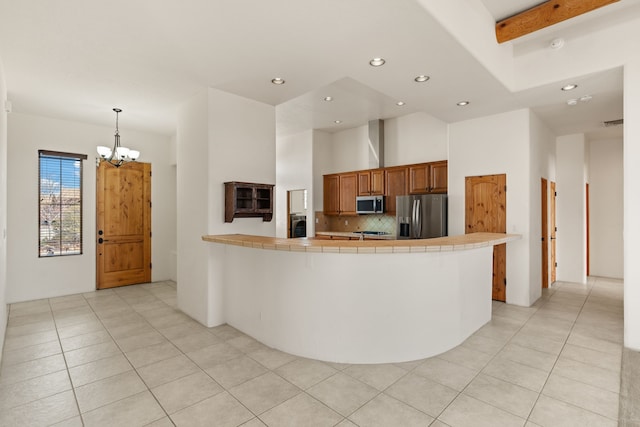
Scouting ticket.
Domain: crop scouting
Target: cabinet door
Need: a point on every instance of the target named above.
(438, 177)
(348, 191)
(331, 193)
(263, 198)
(395, 185)
(364, 183)
(419, 179)
(377, 182)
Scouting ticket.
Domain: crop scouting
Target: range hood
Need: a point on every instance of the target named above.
(376, 144)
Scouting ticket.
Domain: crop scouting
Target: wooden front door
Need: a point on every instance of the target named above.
(544, 197)
(123, 221)
(554, 230)
(486, 210)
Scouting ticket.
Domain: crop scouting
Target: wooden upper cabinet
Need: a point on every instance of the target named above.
(377, 182)
(419, 179)
(348, 192)
(341, 189)
(439, 172)
(428, 178)
(396, 184)
(339, 193)
(371, 182)
(246, 200)
(331, 193)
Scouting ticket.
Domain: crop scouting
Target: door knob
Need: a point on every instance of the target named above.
(100, 240)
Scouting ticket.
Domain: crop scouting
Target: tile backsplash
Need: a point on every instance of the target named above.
(384, 223)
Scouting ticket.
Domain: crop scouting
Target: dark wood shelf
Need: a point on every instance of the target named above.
(248, 200)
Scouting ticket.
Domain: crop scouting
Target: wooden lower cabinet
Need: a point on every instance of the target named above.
(328, 237)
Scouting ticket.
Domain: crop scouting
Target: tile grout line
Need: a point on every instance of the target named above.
(486, 364)
(558, 358)
(128, 361)
(73, 390)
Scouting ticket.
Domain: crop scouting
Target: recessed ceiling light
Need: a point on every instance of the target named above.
(569, 87)
(337, 122)
(399, 103)
(586, 98)
(421, 78)
(462, 103)
(377, 62)
(328, 98)
(277, 81)
(572, 102)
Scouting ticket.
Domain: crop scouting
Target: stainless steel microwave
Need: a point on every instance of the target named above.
(370, 204)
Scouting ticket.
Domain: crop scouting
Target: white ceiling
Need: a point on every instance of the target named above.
(78, 59)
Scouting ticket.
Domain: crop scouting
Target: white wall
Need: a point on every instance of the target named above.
(543, 165)
(30, 277)
(294, 171)
(3, 208)
(632, 203)
(570, 208)
(606, 208)
(350, 150)
(415, 138)
(497, 144)
(322, 155)
(215, 145)
(192, 157)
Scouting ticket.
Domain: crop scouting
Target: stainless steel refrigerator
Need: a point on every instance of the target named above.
(421, 217)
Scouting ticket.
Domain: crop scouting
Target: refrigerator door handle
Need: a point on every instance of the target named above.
(413, 219)
(418, 234)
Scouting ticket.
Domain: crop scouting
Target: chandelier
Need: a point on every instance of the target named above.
(118, 155)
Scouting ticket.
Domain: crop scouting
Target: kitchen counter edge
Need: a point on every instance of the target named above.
(439, 244)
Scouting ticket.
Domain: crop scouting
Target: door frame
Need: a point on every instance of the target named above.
(588, 227)
(554, 231)
(544, 204)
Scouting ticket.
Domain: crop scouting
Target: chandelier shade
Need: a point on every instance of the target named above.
(119, 154)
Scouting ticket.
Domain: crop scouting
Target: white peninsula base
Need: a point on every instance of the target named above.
(356, 307)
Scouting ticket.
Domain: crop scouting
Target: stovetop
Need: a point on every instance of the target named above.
(375, 233)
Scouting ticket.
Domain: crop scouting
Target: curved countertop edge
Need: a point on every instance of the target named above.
(439, 244)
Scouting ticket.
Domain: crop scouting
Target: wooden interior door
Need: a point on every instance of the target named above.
(123, 220)
(486, 210)
(554, 230)
(544, 197)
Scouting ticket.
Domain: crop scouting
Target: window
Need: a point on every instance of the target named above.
(60, 203)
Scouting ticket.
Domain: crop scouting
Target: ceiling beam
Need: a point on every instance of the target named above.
(545, 14)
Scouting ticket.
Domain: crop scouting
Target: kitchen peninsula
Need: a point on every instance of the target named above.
(372, 301)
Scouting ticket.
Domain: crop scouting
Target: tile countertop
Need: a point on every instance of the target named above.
(439, 244)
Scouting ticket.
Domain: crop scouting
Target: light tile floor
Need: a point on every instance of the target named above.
(127, 356)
